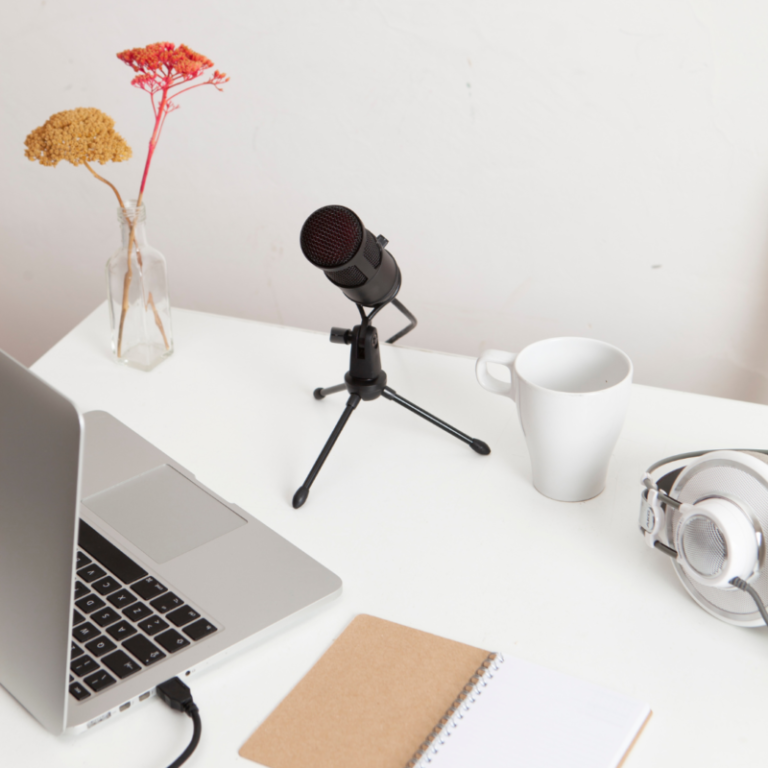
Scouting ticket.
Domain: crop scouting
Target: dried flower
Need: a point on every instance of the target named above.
(163, 65)
(162, 68)
(78, 136)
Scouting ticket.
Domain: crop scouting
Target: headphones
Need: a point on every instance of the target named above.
(708, 512)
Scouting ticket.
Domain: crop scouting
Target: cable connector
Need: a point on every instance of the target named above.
(177, 696)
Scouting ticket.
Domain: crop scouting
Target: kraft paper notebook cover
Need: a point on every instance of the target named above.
(388, 696)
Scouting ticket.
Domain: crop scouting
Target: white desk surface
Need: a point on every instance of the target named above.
(422, 531)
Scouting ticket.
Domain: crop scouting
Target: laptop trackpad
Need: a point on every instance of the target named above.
(163, 513)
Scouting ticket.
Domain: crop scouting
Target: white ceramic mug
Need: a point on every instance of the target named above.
(572, 396)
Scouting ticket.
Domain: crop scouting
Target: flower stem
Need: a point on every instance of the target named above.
(158, 321)
(109, 184)
(160, 115)
(161, 111)
(129, 272)
(127, 283)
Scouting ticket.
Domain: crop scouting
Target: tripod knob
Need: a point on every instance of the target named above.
(341, 336)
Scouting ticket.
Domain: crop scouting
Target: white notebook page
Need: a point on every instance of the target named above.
(531, 717)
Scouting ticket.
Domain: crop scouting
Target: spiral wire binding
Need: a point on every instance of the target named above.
(455, 713)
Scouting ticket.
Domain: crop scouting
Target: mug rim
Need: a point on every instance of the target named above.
(589, 339)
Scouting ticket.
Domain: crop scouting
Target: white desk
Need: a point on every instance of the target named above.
(424, 532)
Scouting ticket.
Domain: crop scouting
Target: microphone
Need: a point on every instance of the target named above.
(334, 239)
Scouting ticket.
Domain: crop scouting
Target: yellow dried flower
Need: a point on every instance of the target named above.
(80, 136)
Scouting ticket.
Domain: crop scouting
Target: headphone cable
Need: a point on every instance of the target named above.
(744, 587)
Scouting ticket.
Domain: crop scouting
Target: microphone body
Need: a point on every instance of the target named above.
(334, 239)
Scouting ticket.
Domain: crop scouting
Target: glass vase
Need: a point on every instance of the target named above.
(137, 288)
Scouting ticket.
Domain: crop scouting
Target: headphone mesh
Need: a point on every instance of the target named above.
(704, 546)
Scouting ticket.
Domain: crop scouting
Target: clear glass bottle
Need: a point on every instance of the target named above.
(137, 288)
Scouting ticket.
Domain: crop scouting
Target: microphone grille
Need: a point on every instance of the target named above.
(331, 236)
(351, 277)
(372, 251)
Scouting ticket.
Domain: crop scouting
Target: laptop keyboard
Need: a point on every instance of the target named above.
(124, 618)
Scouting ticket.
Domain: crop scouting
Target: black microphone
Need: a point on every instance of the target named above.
(334, 239)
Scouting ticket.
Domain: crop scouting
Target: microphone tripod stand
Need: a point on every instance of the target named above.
(365, 380)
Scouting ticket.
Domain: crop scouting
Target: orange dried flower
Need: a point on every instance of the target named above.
(79, 136)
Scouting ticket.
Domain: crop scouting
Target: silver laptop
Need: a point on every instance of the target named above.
(118, 569)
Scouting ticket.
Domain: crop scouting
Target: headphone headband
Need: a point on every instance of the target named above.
(649, 482)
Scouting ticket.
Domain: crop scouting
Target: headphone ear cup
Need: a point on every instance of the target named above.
(724, 496)
(757, 454)
(716, 542)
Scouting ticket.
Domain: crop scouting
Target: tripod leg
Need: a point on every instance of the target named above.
(321, 392)
(301, 495)
(476, 445)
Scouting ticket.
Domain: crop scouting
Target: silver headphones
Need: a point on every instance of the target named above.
(708, 512)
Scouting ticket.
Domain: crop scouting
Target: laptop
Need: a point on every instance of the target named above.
(120, 570)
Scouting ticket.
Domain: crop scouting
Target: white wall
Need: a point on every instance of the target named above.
(543, 167)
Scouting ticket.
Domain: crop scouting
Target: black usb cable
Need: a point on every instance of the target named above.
(178, 696)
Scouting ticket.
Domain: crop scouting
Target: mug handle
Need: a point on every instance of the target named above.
(491, 383)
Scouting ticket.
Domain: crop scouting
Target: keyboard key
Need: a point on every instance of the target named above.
(105, 616)
(79, 691)
(100, 646)
(90, 603)
(121, 664)
(81, 590)
(182, 616)
(121, 630)
(143, 650)
(166, 602)
(149, 587)
(77, 618)
(82, 560)
(75, 651)
(153, 625)
(84, 632)
(83, 666)
(122, 598)
(106, 585)
(91, 573)
(137, 612)
(100, 680)
(109, 555)
(199, 629)
(172, 641)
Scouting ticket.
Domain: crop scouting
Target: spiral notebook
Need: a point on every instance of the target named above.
(388, 696)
